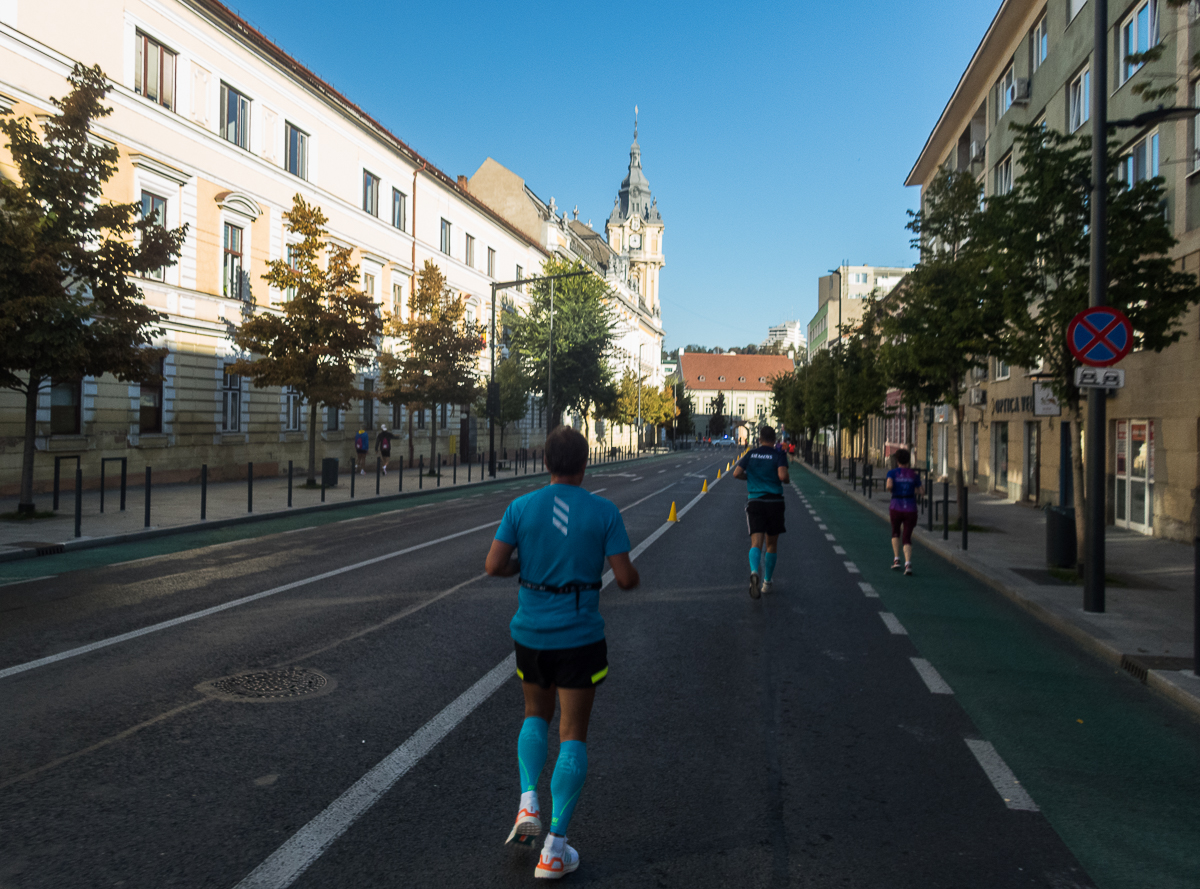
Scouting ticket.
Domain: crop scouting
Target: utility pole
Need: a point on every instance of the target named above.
(550, 367)
(493, 395)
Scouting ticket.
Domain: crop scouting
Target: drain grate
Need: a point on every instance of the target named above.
(1139, 665)
(283, 684)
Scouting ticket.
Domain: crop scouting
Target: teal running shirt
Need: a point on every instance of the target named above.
(563, 536)
(761, 466)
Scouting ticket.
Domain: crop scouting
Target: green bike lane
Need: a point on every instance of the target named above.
(1115, 769)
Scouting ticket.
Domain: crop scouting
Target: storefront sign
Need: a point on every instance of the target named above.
(1021, 405)
(1044, 402)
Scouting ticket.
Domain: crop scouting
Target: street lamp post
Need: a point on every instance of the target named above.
(493, 400)
(640, 431)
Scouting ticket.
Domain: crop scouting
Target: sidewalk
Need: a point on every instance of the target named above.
(1146, 628)
(177, 506)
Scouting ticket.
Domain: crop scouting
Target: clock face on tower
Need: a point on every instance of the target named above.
(636, 223)
(635, 241)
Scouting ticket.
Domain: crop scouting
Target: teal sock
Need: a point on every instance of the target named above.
(769, 565)
(755, 557)
(566, 782)
(531, 751)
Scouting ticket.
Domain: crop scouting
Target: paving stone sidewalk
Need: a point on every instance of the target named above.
(1146, 627)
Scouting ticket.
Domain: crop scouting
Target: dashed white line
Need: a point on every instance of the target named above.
(840, 550)
(933, 679)
(893, 624)
(868, 590)
(822, 527)
(1014, 795)
(851, 567)
(829, 536)
(599, 490)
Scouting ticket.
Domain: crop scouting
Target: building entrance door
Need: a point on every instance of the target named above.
(1134, 500)
(1000, 458)
(1032, 462)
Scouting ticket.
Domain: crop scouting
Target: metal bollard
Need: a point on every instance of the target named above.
(289, 484)
(439, 472)
(204, 492)
(965, 522)
(469, 462)
(401, 474)
(54, 500)
(78, 501)
(421, 472)
(378, 475)
(250, 487)
(946, 509)
(147, 496)
(929, 503)
(1196, 607)
(353, 473)
(853, 477)
(454, 471)
(124, 467)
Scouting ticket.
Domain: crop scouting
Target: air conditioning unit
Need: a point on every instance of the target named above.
(977, 152)
(1018, 93)
(978, 397)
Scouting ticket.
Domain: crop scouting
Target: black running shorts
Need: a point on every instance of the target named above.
(582, 667)
(765, 517)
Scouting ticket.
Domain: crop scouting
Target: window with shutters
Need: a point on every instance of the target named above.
(154, 71)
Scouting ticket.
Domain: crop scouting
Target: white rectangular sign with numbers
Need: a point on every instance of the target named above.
(1099, 378)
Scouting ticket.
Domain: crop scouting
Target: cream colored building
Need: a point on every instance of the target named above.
(219, 128)
(744, 380)
(840, 299)
(1034, 64)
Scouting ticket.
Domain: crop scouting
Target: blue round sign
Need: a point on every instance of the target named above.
(1100, 336)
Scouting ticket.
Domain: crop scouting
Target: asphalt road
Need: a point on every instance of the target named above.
(790, 741)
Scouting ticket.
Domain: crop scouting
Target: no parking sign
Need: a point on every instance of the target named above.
(1100, 336)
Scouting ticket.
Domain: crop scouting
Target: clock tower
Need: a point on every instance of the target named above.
(635, 230)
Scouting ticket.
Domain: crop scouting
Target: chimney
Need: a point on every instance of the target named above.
(462, 182)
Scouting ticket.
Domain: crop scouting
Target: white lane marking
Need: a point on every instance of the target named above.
(851, 567)
(599, 490)
(32, 579)
(893, 624)
(216, 609)
(1014, 795)
(868, 590)
(305, 846)
(661, 471)
(933, 679)
(822, 527)
(647, 497)
(829, 536)
(839, 550)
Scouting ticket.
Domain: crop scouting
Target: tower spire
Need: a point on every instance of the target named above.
(635, 117)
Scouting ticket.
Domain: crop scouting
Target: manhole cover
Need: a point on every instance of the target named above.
(283, 684)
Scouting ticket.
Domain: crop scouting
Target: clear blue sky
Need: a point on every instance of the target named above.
(776, 136)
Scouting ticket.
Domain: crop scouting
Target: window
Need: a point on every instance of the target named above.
(233, 277)
(860, 277)
(1138, 32)
(397, 298)
(292, 404)
(332, 419)
(368, 404)
(421, 419)
(1004, 176)
(231, 402)
(470, 252)
(741, 379)
(721, 378)
(399, 209)
(290, 293)
(154, 72)
(444, 416)
(1002, 370)
(1073, 7)
(741, 407)
(235, 116)
(154, 207)
(1196, 127)
(150, 405)
(445, 245)
(1039, 44)
(1142, 161)
(491, 263)
(1079, 100)
(370, 193)
(520, 275)
(65, 399)
(296, 150)
(369, 285)
(1005, 91)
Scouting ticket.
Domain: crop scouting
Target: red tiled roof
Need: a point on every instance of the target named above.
(704, 371)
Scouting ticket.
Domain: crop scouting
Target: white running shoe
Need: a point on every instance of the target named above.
(526, 830)
(766, 586)
(754, 592)
(555, 865)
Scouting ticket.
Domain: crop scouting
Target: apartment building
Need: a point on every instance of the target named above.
(1034, 65)
(840, 299)
(218, 128)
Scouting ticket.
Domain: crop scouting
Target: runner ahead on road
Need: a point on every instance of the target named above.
(564, 535)
(765, 470)
(905, 485)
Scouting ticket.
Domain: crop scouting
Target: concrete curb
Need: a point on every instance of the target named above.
(1078, 635)
(71, 546)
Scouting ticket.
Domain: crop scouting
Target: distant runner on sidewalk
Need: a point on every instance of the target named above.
(765, 470)
(383, 446)
(905, 485)
(565, 535)
(362, 444)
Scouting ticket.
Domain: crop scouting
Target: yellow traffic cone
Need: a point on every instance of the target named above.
(727, 465)
(672, 517)
(718, 472)
(704, 490)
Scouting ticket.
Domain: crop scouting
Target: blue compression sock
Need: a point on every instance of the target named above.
(531, 751)
(755, 557)
(566, 782)
(769, 565)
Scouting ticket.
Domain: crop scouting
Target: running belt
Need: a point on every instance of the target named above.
(575, 588)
